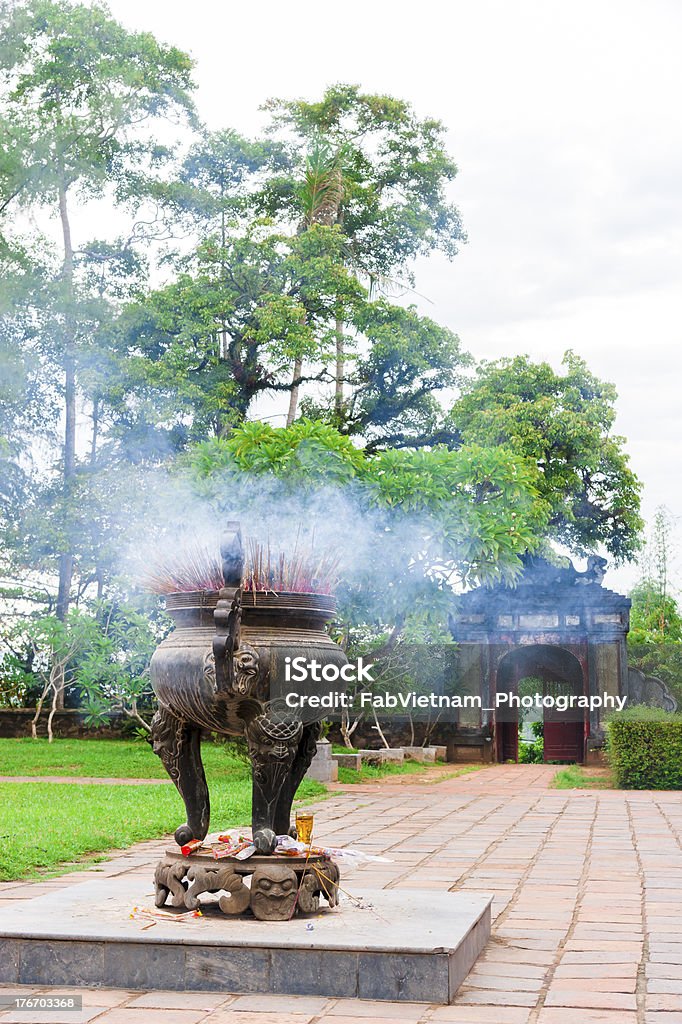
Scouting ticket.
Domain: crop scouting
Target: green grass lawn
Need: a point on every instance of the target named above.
(114, 759)
(43, 824)
(577, 777)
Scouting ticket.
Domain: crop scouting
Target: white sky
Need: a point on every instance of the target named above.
(564, 122)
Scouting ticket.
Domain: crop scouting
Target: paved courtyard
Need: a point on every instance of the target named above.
(587, 905)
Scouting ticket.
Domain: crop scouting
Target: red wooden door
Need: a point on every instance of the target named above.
(507, 741)
(563, 741)
(563, 730)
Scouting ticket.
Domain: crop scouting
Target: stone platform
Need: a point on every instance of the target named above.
(402, 945)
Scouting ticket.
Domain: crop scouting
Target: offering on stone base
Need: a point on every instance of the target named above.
(304, 826)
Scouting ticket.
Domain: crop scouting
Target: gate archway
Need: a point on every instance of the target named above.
(560, 673)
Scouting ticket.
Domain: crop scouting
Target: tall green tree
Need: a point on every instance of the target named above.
(78, 94)
(655, 616)
(563, 422)
(228, 329)
(382, 173)
(368, 177)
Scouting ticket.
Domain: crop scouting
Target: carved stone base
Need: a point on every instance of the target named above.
(280, 886)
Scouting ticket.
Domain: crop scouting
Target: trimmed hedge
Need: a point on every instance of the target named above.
(644, 748)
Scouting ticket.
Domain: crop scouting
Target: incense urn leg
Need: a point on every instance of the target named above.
(305, 752)
(178, 744)
(273, 739)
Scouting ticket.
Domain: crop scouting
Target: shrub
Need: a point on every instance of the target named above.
(644, 748)
(531, 753)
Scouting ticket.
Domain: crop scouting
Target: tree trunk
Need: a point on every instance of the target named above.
(339, 371)
(95, 432)
(66, 558)
(378, 728)
(293, 398)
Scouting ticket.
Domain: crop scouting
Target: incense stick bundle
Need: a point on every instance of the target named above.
(198, 567)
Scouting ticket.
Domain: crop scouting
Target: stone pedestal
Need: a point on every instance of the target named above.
(384, 755)
(323, 767)
(413, 945)
(424, 755)
(352, 761)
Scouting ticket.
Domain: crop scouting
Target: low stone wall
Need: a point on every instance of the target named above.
(68, 724)
(453, 743)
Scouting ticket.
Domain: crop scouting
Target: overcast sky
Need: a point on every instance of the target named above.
(564, 121)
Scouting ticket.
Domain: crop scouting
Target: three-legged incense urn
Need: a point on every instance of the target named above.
(223, 669)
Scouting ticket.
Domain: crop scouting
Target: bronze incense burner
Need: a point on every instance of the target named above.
(221, 669)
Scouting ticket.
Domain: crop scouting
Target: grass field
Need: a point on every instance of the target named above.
(123, 759)
(44, 824)
(577, 777)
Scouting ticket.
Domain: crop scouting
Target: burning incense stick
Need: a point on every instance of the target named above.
(197, 567)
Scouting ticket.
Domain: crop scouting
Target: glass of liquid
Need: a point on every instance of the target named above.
(304, 826)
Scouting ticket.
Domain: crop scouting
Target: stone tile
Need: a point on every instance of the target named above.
(206, 1001)
(93, 996)
(586, 999)
(656, 970)
(493, 998)
(504, 983)
(594, 984)
(664, 1002)
(485, 968)
(122, 1015)
(368, 1009)
(559, 1015)
(273, 1003)
(480, 1015)
(658, 985)
(228, 1016)
(581, 971)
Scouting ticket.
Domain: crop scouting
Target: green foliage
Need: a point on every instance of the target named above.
(99, 657)
(645, 748)
(395, 172)
(411, 360)
(655, 637)
(422, 518)
(663, 660)
(75, 82)
(230, 327)
(304, 229)
(532, 753)
(654, 617)
(79, 95)
(563, 423)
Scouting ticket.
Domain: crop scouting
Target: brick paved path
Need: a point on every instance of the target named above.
(588, 895)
